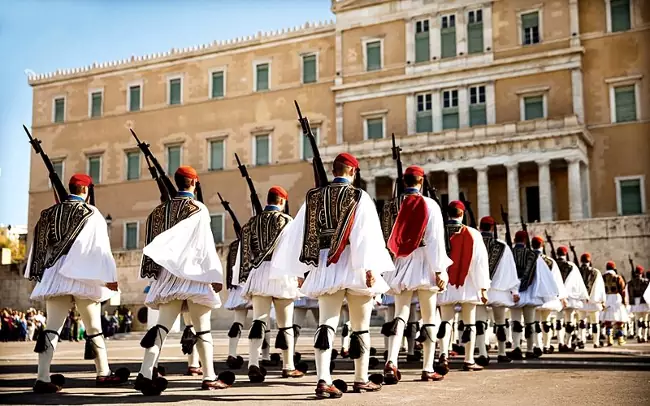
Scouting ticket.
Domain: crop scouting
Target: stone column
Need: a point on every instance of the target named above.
(586, 190)
(434, 38)
(410, 40)
(574, 23)
(578, 95)
(453, 189)
(411, 111)
(514, 207)
(463, 107)
(487, 28)
(544, 183)
(436, 110)
(339, 123)
(490, 104)
(338, 80)
(482, 191)
(461, 33)
(575, 189)
(371, 187)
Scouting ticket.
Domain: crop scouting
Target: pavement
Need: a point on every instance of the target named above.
(603, 376)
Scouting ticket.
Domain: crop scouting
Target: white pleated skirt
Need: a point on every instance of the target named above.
(54, 284)
(554, 305)
(528, 297)
(235, 300)
(615, 310)
(575, 304)
(500, 298)
(259, 283)
(411, 273)
(461, 294)
(169, 287)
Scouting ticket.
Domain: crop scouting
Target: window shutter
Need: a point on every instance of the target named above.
(625, 104)
(173, 159)
(59, 110)
(424, 122)
(477, 115)
(373, 53)
(134, 98)
(534, 107)
(631, 197)
(309, 69)
(263, 77)
(375, 128)
(216, 224)
(262, 150)
(422, 46)
(475, 38)
(58, 169)
(131, 236)
(175, 91)
(94, 169)
(96, 104)
(216, 155)
(217, 84)
(529, 20)
(133, 165)
(620, 12)
(450, 118)
(448, 42)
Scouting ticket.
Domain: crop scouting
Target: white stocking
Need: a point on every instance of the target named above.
(57, 308)
(167, 314)
(90, 312)
(261, 310)
(329, 313)
(481, 317)
(284, 313)
(402, 309)
(200, 316)
(193, 357)
(360, 312)
(429, 328)
(240, 317)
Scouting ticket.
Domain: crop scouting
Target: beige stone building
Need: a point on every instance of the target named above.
(540, 106)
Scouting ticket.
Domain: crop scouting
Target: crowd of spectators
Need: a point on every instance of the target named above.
(21, 326)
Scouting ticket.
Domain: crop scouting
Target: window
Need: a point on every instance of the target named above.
(133, 165)
(131, 236)
(59, 110)
(423, 121)
(262, 77)
(630, 195)
(422, 41)
(620, 15)
(307, 152)
(217, 84)
(262, 149)
(95, 168)
(448, 36)
(175, 91)
(135, 98)
(477, 114)
(530, 28)
(625, 101)
(217, 226)
(309, 69)
(373, 55)
(533, 107)
(450, 109)
(216, 155)
(475, 31)
(96, 104)
(374, 128)
(173, 159)
(59, 169)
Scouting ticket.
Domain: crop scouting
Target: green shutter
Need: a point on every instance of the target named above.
(530, 20)
(173, 159)
(477, 115)
(133, 165)
(625, 104)
(620, 11)
(475, 38)
(217, 84)
(375, 128)
(534, 107)
(175, 91)
(134, 98)
(262, 77)
(309, 69)
(424, 122)
(131, 236)
(448, 42)
(216, 224)
(373, 55)
(422, 46)
(216, 155)
(262, 150)
(58, 168)
(450, 118)
(96, 104)
(59, 110)
(95, 169)
(631, 197)
(307, 152)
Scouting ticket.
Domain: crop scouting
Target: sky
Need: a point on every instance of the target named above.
(47, 35)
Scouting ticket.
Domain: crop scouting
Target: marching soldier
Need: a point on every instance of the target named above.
(577, 296)
(614, 313)
(638, 305)
(71, 261)
(338, 236)
(596, 288)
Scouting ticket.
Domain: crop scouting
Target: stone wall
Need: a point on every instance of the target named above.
(15, 290)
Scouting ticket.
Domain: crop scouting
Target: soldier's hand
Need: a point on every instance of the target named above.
(112, 286)
(564, 303)
(217, 287)
(484, 297)
(515, 297)
(300, 282)
(370, 280)
(440, 283)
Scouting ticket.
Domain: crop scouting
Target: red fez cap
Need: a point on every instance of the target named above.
(279, 192)
(639, 269)
(487, 220)
(187, 172)
(457, 204)
(610, 265)
(81, 179)
(539, 240)
(586, 257)
(562, 250)
(414, 170)
(347, 159)
(521, 236)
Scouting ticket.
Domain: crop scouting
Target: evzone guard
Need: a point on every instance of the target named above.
(337, 236)
(638, 305)
(259, 238)
(503, 292)
(181, 258)
(595, 285)
(615, 313)
(469, 281)
(577, 296)
(71, 261)
(417, 242)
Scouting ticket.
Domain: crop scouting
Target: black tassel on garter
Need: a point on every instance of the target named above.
(425, 334)
(529, 330)
(390, 328)
(357, 346)
(345, 331)
(258, 330)
(149, 339)
(235, 330)
(188, 340)
(90, 350)
(467, 333)
(42, 340)
(442, 330)
(501, 332)
(322, 339)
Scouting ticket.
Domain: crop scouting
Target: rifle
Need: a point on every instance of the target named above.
(320, 176)
(60, 192)
(629, 258)
(468, 209)
(199, 192)
(504, 216)
(235, 223)
(160, 177)
(575, 256)
(524, 227)
(397, 157)
(431, 191)
(255, 200)
(550, 241)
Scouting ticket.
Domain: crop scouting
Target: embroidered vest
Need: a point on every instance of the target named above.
(636, 288)
(495, 249)
(589, 277)
(526, 263)
(230, 262)
(565, 268)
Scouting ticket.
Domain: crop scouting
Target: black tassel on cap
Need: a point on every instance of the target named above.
(467, 333)
(258, 330)
(501, 332)
(390, 328)
(529, 330)
(235, 330)
(149, 339)
(281, 338)
(357, 346)
(425, 333)
(442, 330)
(345, 331)
(42, 340)
(188, 339)
(90, 350)
(322, 339)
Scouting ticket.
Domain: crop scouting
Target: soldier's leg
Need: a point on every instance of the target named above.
(529, 333)
(345, 332)
(360, 311)
(57, 308)
(481, 330)
(90, 312)
(500, 323)
(516, 326)
(193, 357)
(155, 337)
(389, 316)
(594, 320)
(412, 328)
(284, 313)
(447, 314)
(261, 319)
(429, 329)
(561, 329)
(393, 330)
(234, 333)
(468, 339)
(329, 307)
(200, 318)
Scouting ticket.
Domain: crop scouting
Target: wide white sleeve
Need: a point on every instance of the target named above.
(559, 283)
(187, 250)
(505, 276)
(480, 267)
(286, 256)
(598, 294)
(575, 286)
(646, 294)
(547, 287)
(367, 246)
(434, 239)
(236, 268)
